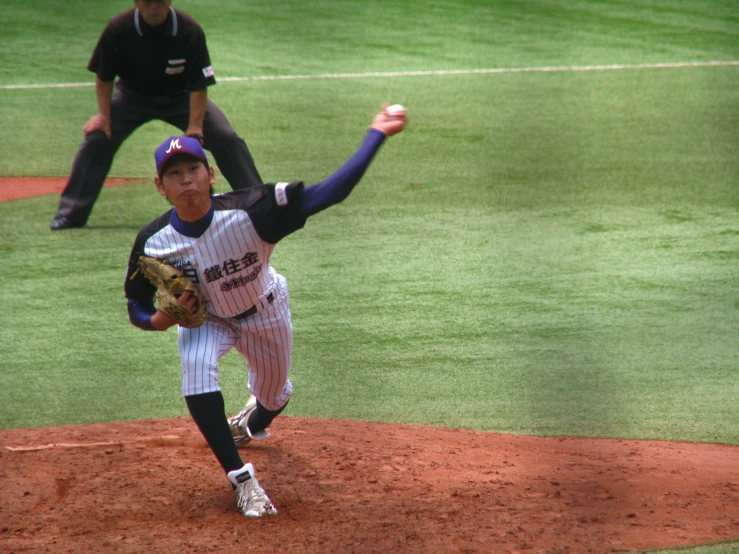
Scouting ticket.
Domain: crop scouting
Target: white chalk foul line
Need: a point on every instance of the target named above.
(426, 73)
(479, 71)
(35, 448)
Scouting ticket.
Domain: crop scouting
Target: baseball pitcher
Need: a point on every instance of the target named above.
(205, 266)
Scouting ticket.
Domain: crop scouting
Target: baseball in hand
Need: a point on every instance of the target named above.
(396, 110)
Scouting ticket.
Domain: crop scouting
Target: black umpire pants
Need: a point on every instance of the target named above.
(128, 112)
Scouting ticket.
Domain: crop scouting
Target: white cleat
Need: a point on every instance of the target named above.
(238, 424)
(252, 499)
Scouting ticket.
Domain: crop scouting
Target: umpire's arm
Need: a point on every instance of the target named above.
(198, 106)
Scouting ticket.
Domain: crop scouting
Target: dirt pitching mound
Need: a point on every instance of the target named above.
(359, 487)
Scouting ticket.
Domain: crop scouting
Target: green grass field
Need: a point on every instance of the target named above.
(540, 252)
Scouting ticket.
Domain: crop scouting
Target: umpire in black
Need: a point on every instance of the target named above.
(161, 59)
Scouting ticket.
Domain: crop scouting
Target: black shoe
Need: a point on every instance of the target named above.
(62, 222)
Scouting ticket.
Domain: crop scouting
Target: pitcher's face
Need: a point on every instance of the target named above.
(186, 182)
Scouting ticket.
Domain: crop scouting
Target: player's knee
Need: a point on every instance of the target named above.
(98, 148)
(96, 139)
(225, 138)
(200, 381)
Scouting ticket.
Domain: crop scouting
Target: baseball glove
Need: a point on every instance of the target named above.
(171, 283)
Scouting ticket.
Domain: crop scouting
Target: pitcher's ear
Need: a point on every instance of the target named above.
(160, 186)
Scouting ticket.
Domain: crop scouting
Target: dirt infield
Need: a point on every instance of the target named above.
(13, 188)
(358, 487)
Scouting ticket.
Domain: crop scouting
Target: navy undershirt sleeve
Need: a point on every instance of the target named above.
(140, 314)
(337, 187)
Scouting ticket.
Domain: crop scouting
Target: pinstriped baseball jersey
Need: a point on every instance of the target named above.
(226, 255)
(228, 262)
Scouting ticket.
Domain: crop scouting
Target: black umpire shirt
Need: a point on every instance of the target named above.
(165, 61)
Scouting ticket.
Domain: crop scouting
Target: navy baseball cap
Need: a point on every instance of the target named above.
(178, 145)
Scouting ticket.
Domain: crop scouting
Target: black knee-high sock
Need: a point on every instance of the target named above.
(260, 418)
(209, 414)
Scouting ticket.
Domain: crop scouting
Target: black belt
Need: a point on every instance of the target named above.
(251, 311)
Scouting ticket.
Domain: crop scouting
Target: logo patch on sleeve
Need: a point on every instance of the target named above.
(208, 71)
(281, 194)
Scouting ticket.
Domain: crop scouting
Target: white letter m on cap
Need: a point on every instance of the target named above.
(174, 145)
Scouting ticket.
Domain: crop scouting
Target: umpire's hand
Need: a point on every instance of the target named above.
(389, 124)
(98, 122)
